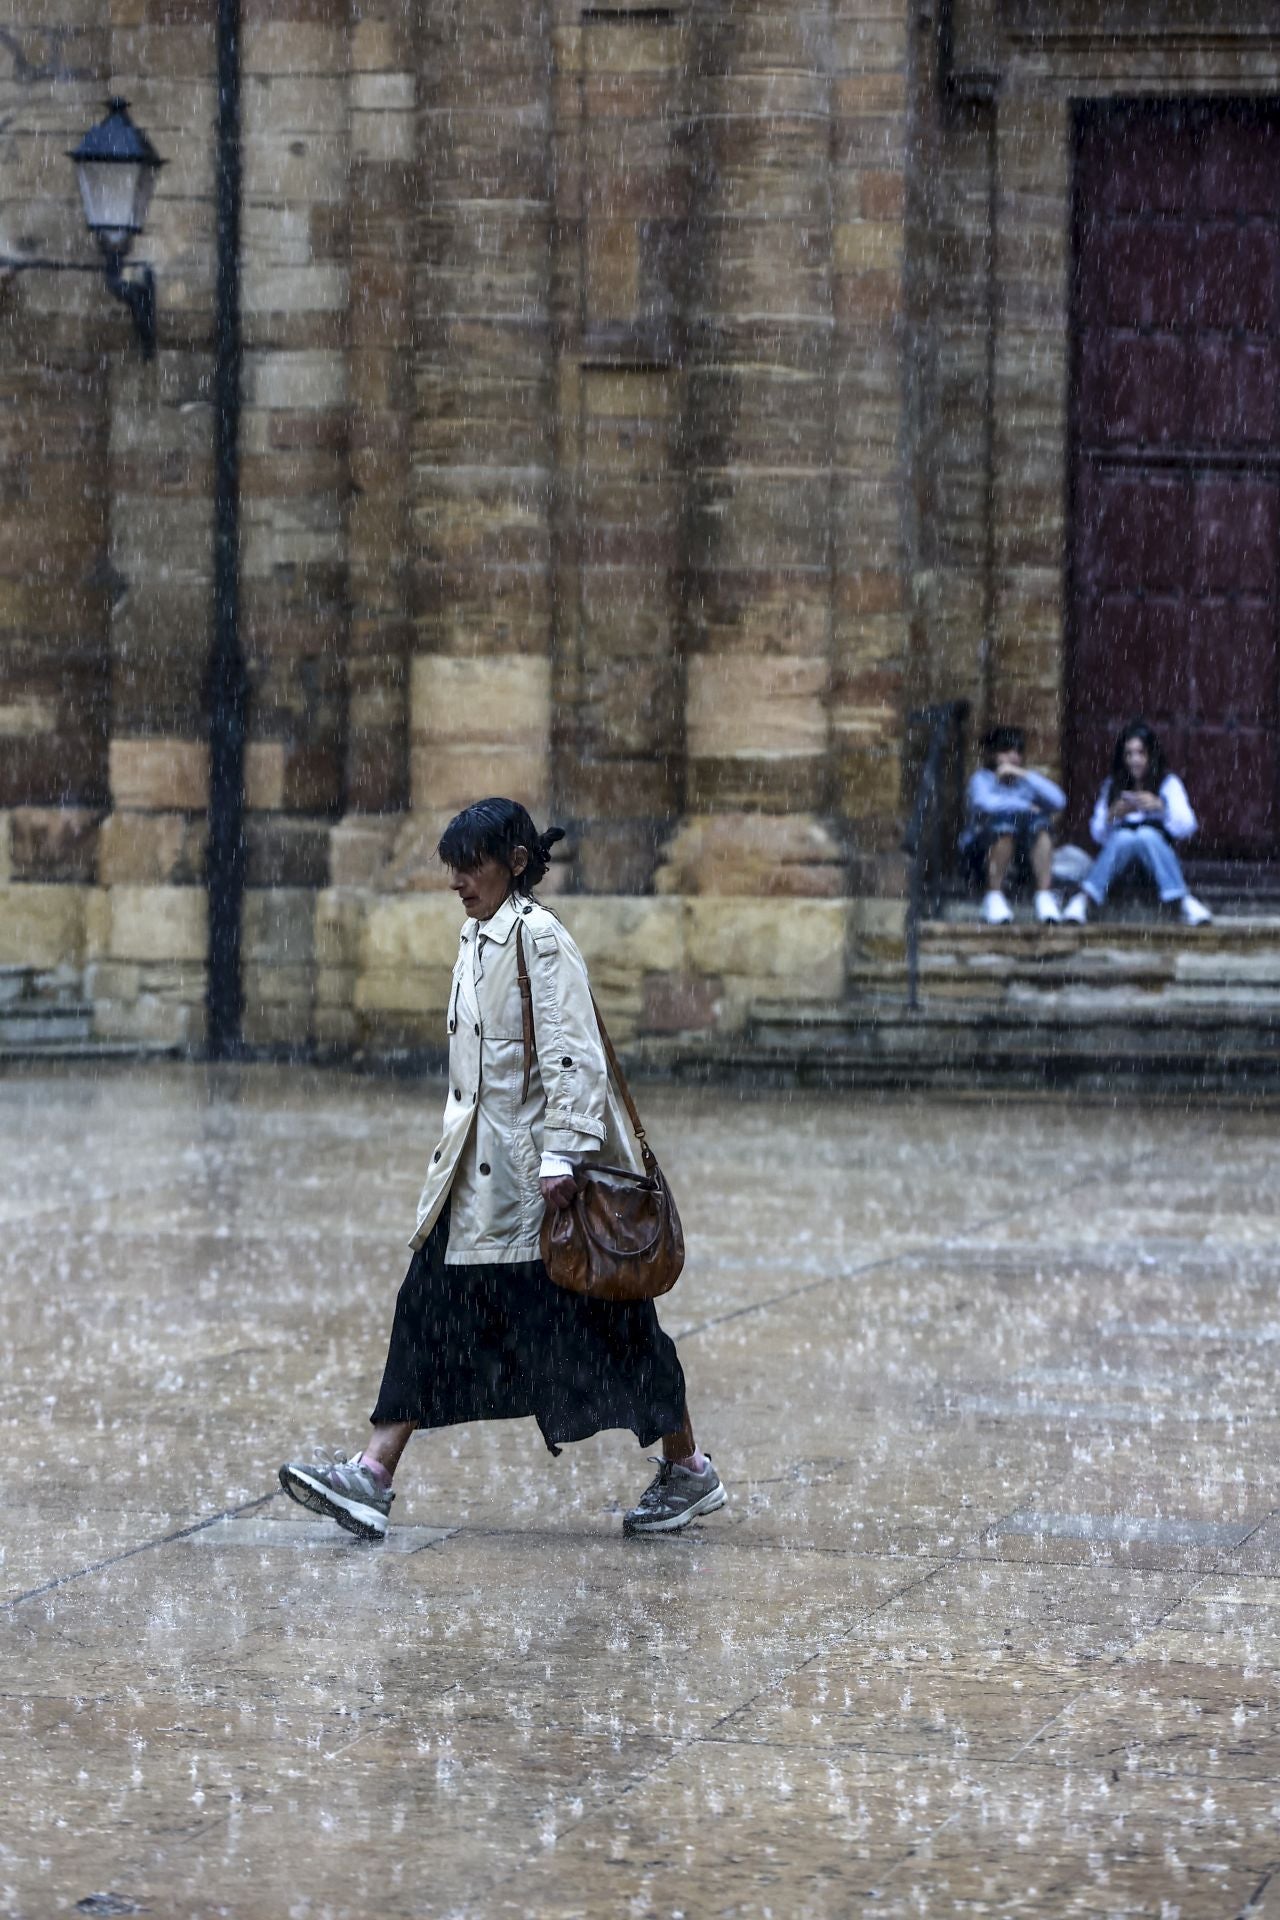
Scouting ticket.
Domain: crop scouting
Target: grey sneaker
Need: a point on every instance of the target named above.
(345, 1490)
(673, 1498)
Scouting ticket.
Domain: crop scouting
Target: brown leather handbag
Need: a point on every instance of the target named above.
(620, 1237)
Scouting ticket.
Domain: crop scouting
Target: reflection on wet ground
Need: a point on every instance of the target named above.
(991, 1625)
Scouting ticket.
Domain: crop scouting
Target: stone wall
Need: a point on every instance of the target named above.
(644, 410)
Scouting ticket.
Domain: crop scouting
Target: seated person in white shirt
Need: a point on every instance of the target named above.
(1011, 808)
(1141, 811)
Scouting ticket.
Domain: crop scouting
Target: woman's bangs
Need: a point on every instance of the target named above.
(465, 845)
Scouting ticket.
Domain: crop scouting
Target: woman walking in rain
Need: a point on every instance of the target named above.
(481, 1332)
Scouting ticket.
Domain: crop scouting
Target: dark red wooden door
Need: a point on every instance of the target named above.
(1176, 466)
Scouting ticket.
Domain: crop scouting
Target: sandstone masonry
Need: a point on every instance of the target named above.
(645, 409)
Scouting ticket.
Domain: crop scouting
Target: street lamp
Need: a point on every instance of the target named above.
(116, 167)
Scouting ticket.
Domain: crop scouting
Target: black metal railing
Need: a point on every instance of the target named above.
(930, 842)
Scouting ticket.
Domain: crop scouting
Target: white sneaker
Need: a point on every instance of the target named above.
(1048, 912)
(996, 910)
(1194, 912)
(1077, 909)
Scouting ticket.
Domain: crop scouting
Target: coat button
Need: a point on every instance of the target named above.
(485, 1167)
(457, 1093)
(437, 1153)
(566, 1062)
(528, 910)
(477, 1029)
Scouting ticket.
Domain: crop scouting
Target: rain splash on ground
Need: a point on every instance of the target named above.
(991, 1624)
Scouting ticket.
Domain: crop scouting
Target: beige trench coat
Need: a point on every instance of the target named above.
(487, 1160)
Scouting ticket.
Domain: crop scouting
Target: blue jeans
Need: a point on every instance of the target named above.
(1144, 847)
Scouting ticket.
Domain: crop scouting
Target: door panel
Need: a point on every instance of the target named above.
(1234, 679)
(1236, 536)
(1148, 275)
(1176, 467)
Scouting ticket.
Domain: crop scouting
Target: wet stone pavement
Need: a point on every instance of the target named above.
(991, 1625)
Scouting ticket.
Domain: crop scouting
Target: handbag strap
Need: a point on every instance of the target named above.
(526, 1011)
(615, 1065)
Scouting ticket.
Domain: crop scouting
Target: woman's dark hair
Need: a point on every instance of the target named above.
(1004, 740)
(492, 830)
(1157, 765)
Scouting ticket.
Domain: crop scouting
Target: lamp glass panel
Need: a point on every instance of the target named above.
(115, 195)
(142, 193)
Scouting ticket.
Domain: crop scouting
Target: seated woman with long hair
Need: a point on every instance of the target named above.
(1141, 812)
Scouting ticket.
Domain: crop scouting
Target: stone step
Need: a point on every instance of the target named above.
(31, 1026)
(22, 985)
(87, 1049)
(1096, 1042)
(15, 984)
(1232, 964)
(1226, 931)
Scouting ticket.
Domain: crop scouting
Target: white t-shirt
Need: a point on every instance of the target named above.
(1175, 816)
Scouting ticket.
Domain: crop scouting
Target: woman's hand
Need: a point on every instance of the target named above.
(559, 1193)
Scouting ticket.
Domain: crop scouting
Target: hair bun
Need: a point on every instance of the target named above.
(548, 839)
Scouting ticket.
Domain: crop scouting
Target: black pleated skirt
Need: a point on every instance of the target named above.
(504, 1342)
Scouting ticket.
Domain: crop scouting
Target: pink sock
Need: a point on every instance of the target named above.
(376, 1469)
(694, 1462)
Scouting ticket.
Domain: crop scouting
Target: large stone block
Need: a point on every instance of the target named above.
(286, 852)
(753, 854)
(290, 47)
(414, 865)
(412, 936)
(313, 289)
(795, 948)
(114, 980)
(334, 987)
(279, 986)
(284, 1025)
(97, 922)
(447, 778)
(159, 924)
(151, 1020)
(403, 993)
(339, 918)
(335, 1032)
(161, 775)
(279, 926)
(383, 138)
(171, 540)
(360, 847)
(305, 381)
(680, 1003)
(502, 700)
(54, 843)
(42, 926)
(151, 849)
(626, 938)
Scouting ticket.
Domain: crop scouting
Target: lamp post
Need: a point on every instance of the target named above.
(116, 166)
